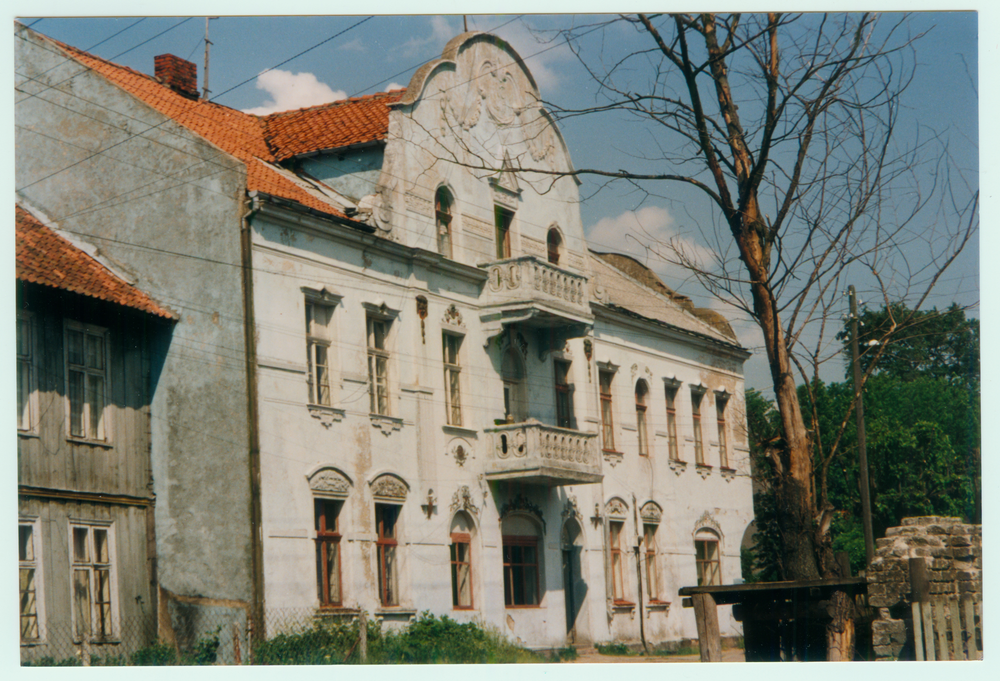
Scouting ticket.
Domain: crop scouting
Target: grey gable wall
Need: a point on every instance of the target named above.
(166, 207)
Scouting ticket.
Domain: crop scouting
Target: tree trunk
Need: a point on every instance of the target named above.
(840, 631)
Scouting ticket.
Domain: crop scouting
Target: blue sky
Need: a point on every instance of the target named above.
(370, 55)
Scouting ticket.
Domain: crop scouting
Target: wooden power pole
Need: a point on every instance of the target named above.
(859, 412)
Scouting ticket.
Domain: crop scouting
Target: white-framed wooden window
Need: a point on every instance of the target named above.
(92, 579)
(32, 604)
(720, 418)
(319, 317)
(87, 386)
(451, 347)
(378, 365)
(27, 391)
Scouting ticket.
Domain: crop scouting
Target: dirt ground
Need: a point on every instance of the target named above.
(591, 656)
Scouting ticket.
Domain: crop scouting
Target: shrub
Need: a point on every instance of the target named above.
(612, 648)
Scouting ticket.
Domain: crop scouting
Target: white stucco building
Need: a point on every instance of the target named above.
(453, 404)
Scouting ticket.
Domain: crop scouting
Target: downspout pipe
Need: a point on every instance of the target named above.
(253, 428)
(638, 575)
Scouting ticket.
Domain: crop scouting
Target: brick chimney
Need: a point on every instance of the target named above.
(178, 74)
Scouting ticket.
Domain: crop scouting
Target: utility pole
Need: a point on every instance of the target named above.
(859, 412)
(205, 90)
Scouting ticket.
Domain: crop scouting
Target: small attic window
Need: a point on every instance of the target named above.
(442, 211)
(555, 245)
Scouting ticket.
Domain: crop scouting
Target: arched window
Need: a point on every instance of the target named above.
(520, 537)
(462, 530)
(641, 391)
(555, 245)
(442, 211)
(707, 557)
(515, 402)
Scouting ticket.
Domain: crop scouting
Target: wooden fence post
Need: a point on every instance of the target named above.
(707, 616)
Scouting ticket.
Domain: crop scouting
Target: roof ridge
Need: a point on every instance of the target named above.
(334, 103)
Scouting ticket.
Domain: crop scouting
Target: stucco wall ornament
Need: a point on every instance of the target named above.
(326, 415)
(651, 512)
(389, 487)
(506, 276)
(706, 521)
(461, 500)
(330, 481)
(460, 451)
(500, 86)
(616, 508)
(521, 504)
(571, 510)
(453, 316)
(541, 138)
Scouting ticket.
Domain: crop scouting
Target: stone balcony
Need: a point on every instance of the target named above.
(534, 453)
(536, 294)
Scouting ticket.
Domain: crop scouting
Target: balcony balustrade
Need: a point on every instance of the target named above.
(534, 453)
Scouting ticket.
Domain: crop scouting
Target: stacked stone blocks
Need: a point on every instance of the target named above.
(953, 555)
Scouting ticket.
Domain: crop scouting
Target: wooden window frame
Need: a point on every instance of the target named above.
(564, 394)
(705, 560)
(387, 545)
(31, 606)
(452, 377)
(27, 390)
(720, 419)
(318, 346)
(325, 538)
(103, 614)
(88, 431)
(378, 357)
(443, 202)
(642, 430)
(553, 246)
(699, 445)
(618, 582)
(607, 410)
(503, 220)
(652, 563)
(515, 389)
(509, 568)
(461, 538)
(672, 448)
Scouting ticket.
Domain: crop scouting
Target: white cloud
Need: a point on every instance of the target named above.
(394, 86)
(356, 45)
(648, 232)
(441, 32)
(545, 66)
(289, 90)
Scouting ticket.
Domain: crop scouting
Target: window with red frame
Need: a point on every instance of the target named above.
(672, 423)
(564, 397)
(720, 416)
(386, 519)
(328, 552)
(641, 390)
(652, 573)
(615, 529)
(699, 450)
(607, 420)
(461, 570)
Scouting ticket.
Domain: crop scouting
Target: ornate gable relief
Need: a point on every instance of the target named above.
(461, 500)
(706, 521)
(330, 482)
(651, 512)
(616, 508)
(389, 487)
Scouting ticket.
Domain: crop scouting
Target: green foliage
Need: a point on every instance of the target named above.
(49, 661)
(156, 655)
(563, 655)
(761, 562)
(204, 650)
(612, 648)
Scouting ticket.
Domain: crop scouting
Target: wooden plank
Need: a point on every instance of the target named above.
(957, 648)
(771, 586)
(707, 617)
(970, 627)
(940, 629)
(928, 622)
(918, 631)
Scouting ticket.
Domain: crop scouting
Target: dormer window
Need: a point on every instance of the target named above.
(442, 210)
(554, 242)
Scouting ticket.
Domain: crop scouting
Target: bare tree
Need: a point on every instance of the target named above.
(790, 125)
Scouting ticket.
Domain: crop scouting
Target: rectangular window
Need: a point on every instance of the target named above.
(92, 572)
(707, 559)
(452, 379)
(564, 395)
(29, 568)
(652, 573)
(461, 570)
(720, 416)
(617, 560)
(318, 318)
(699, 453)
(520, 571)
(502, 219)
(86, 381)
(607, 422)
(640, 418)
(328, 574)
(386, 517)
(672, 423)
(378, 365)
(25, 374)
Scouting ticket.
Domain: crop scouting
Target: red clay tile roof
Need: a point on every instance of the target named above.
(44, 257)
(330, 126)
(247, 137)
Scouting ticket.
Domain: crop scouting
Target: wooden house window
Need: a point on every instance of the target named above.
(706, 546)
(720, 417)
(86, 381)
(641, 391)
(318, 338)
(26, 395)
(671, 393)
(386, 520)
(378, 365)
(328, 565)
(652, 570)
(520, 563)
(452, 378)
(92, 574)
(615, 530)
(564, 395)
(699, 451)
(515, 401)
(29, 574)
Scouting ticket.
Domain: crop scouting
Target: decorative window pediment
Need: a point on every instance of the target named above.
(330, 482)
(389, 487)
(651, 512)
(616, 508)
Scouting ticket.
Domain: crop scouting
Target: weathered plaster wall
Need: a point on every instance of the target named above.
(165, 207)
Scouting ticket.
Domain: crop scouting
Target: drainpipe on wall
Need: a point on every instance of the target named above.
(638, 575)
(253, 432)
